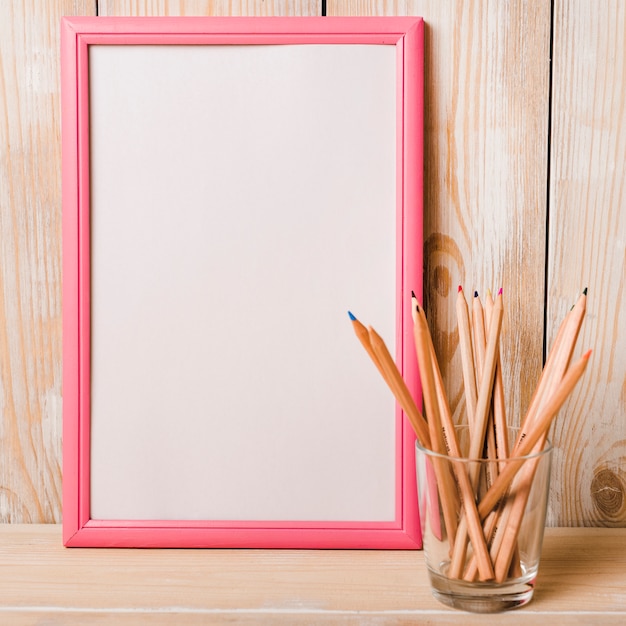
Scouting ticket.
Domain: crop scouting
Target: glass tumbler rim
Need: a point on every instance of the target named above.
(547, 449)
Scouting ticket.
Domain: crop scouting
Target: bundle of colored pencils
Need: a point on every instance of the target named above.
(490, 516)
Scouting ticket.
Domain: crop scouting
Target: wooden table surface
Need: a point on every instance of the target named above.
(582, 580)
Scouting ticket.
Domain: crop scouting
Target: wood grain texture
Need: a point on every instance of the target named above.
(587, 248)
(582, 580)
(210, 7)
(30, 259)
(485, 172)
(489, 195)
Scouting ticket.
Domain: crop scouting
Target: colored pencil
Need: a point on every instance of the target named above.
(489, 517)
(445, 481)
(499, 409)
(486, 385)
(467, 356)
(433, 386)
(382, 359)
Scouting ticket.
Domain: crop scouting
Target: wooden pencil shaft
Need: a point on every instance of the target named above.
(501, 523)
(399, 388)
(480, 339)
(392, 377)
(483, 563)
(414, 305)
(459, 549)
(498, 403)
(445, 484)
(448, 428)
(432, 385)
(509, 515)
(364, 337)
(428, 385)
(499, 415)
(489, 527)
(524, 480)
(467, 359)
(469, 526)
(544, 380)
(479, 343)
(528, 438)
(553, 375)
(558, 357)
(474, 529)
(477, 433)
(447, 424)
(486, 385)
(395, 383)
(513, 516)
(445, 488)
(505, 547)
(567, 341)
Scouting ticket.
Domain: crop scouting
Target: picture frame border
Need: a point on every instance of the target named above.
(78, 34)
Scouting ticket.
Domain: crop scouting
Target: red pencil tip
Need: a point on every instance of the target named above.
(460, 289)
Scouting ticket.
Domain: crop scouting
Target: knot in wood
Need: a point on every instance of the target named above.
(607, 493)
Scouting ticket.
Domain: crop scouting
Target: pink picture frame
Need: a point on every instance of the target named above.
(190, 417)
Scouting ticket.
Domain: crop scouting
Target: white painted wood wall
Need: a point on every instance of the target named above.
(525, 189)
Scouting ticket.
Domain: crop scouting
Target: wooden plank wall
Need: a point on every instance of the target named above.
(525, 189)
(587, 244)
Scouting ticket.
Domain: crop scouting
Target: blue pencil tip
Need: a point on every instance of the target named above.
(352, 318)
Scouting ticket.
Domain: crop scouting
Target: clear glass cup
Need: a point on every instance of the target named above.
(513, 533)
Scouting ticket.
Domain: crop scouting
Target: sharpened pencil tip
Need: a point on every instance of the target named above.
(352, 318)
(413, 294)
(500, 291)
(587, 354)
(475, 294)
(460, 289)
(585, 290)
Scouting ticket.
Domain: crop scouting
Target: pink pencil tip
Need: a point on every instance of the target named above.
(500, 291)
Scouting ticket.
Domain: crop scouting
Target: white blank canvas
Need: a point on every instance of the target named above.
(243, 199)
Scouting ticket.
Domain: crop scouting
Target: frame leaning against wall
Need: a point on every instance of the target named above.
(231, 187)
